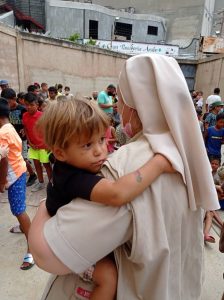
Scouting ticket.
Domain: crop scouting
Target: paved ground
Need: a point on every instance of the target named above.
(28, 285)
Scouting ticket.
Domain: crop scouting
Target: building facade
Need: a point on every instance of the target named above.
(187, 21)
(101, 23)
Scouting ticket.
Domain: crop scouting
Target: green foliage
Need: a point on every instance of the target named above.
(74, 37)
(91, 42)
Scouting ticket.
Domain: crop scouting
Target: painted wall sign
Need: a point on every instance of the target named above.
(137, 48)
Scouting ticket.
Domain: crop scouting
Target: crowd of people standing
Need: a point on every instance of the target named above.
(212, 127)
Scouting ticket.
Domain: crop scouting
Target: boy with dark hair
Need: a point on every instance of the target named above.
(59, 88)
(52, 92)
(32, 89)
(44, 91)
(14, 179)
(15, 118)
(214, 138)
(105, 100)
(216, 91)
(37, 151)
(20, 98)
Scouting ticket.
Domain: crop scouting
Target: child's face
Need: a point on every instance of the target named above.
(31, 107)
(12, 103)
(86, 154)
(21, 101)
(52, 95)
(220, 123)
(218, 109)
(66, 91)
(215, 165)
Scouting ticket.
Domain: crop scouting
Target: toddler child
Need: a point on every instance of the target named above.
(14, 171)
(37, 151)
(75, 132)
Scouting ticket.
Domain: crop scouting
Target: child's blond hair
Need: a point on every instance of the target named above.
(65, 120)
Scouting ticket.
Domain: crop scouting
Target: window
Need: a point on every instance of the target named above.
(152, 30)
(123, 29)
(93, 29)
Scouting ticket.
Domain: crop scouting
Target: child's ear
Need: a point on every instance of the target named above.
(59, 154)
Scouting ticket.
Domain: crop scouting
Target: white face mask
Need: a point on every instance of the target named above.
(127, 129)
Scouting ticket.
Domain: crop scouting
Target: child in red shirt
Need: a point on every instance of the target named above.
(37, 151)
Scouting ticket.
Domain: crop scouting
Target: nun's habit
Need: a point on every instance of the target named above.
(164, 260)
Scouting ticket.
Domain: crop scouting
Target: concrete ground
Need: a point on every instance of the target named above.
(28, 285)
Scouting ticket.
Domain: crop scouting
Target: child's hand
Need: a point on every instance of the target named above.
(22, 132)
(4, 150)
(165, 164)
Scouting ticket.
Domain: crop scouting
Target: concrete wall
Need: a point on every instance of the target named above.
(210, 74)
(76, 18)
(8, 56)
(26, 58)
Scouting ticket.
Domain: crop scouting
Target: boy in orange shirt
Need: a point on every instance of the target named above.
(14, 170)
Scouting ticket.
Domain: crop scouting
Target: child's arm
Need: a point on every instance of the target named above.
(28, 140)
(126, 188)
(3, 173)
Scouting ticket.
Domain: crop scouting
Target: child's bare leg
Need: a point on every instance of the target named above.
(208, 224)
(48, 170)
(217, 218)
(24, 222)
(29, 167)
(105, 279)
(39, 170)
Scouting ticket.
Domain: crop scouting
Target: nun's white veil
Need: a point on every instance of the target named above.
(154, 85)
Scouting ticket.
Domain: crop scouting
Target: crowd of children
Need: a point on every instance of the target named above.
(212, 128)
(23, 148)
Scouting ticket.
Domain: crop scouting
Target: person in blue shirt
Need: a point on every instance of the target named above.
(214, 137)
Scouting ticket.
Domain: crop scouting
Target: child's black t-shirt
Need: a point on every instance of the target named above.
(67, 184)
(15, 118)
